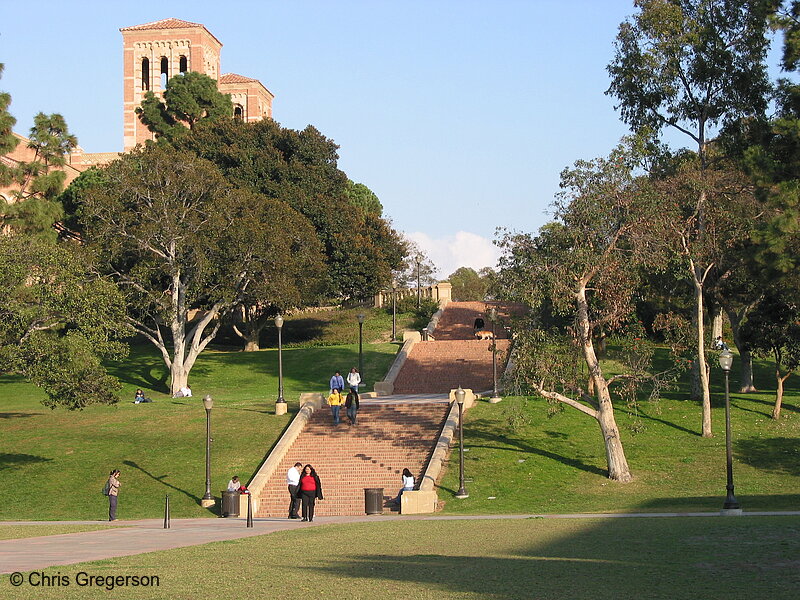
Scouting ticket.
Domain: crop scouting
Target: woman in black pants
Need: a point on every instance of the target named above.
(310, 490)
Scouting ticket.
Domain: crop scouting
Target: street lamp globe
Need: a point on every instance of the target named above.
(279, 321)
(208, 402)
(726, 360)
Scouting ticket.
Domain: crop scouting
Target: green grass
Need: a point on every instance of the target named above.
(598, 559)
(159, 447)
(333, 328)
(558, 464)
(14, 532)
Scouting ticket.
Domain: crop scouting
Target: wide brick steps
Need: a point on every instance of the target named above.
(440, 366)
(458, 319)
(373, 453)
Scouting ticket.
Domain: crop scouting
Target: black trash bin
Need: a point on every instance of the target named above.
(373, 501)
(230, 504)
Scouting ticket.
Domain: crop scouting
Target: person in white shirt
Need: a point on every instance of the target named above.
(353, 379)
(234, 484)
(408, 485)
(293, 482)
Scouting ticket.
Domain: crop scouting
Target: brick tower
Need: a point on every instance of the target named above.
(155, 52)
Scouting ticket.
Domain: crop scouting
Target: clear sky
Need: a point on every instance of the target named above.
(458, 114)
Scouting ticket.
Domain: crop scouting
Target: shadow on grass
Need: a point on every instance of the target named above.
(711, 558)
(643, 415)
(486, 430)
(777, 455)
(17, 415)
(160, 479)
(13, 461)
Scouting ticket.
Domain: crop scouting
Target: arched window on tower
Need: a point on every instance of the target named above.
(145, 74)
(238, 112)
(183, 64)
(164, 72)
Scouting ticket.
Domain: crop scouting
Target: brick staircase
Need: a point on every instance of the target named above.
(389, 437)
(456, 357)
(440, 366)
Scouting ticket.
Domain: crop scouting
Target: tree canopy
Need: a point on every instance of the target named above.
(58, 319)
(178, 238)
(189, 98)
(300, 168)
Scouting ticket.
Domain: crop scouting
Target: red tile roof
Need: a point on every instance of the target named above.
(170, 23)
(234, 78)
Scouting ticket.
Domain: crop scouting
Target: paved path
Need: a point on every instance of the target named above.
(127, 538)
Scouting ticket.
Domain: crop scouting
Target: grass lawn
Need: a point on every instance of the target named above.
(558, 464)
(710, 558)
(159, 447)
(13, 532)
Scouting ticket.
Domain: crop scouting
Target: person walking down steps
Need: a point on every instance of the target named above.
(351, 406)
(335, 401)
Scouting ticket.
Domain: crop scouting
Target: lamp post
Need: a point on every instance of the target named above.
(495, 394)
(418, 260)
(208, 500)
(394, 310)
(360, 318)
(731, 506)
(280, 404)
(460, 394)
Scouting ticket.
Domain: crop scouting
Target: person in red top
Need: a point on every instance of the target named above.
(310, 490)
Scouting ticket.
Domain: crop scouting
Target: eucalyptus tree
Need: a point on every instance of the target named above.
(773, 329)
(692, 66)
(583, 271)
(185, 247)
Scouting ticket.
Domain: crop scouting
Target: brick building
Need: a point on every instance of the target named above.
(152, 54)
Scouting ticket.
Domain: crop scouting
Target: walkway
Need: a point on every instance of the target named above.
(137, 537)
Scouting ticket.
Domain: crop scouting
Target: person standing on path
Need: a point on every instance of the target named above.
(310, 490)
(113, 492)
(354, 379)
(337, 382)
(351, 404)
(335, 401)
(293, 482)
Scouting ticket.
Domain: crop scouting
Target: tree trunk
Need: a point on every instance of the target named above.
(251, 328)
(618, 469)
(746, 361)
(702, 366)
(716, 323)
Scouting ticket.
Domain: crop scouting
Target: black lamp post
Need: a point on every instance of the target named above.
(495, 394)
(731, 505)
(394, 310)
(360, 318)
(208, 499)
(460, 394)
(279, 325)
(418, 260)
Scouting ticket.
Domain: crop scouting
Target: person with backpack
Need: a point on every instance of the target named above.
(111, 489)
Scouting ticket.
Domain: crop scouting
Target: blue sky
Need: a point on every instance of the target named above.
(459, 115)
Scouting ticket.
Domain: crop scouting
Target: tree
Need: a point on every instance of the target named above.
(692, 65)
(773, 328)
(582, 270)
(416, 263)
(58, 319)
(8, 142)
(189, 98)
(364, 198)
(468, 285)
(176, 237)
(300, 168)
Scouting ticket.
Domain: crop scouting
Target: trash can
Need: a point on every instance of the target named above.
(373, 501)
(230, 504)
